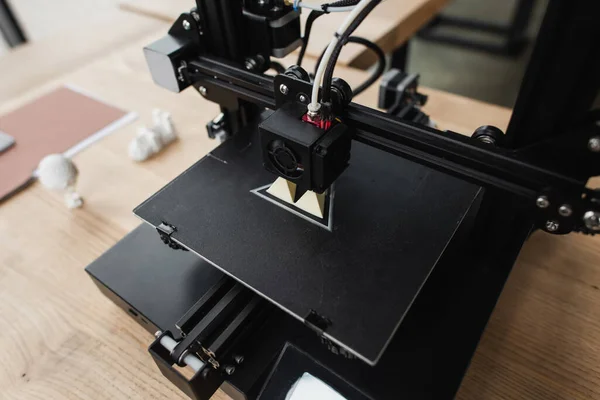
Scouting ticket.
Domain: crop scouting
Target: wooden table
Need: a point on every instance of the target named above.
(36, 62)
(61, 338)
(390, 25)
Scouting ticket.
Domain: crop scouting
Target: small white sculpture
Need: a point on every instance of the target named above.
(150, 141)
(57, 172)
(163, 124)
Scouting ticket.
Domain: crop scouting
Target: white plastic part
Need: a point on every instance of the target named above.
(313, 108)
(57, 172)
(151, 141)
(313, 203)
(310, 202)
(73, 199)
(145, 144)
(163, 125)
(308, 387)
(190, 360)
(325, 60)
(283, 190)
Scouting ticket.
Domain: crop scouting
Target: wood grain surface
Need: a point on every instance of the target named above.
(36, 62)
(61, 339)
(390, 25)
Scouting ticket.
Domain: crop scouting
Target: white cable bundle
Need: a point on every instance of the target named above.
(57, 172)
(314, 105)
(151, 141)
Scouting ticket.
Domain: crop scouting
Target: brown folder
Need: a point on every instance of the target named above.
(53, 123)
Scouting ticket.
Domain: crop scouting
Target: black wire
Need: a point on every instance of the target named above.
(307, 28)
(328, 76)
(340, 3)
(381, 62)
(312, 17)
(326, 94)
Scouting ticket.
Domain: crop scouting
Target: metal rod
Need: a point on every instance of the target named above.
(189, 359)
(453, 153)
(446, 151)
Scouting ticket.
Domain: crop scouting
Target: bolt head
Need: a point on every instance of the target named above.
(229, 370)
(565, 210)
(203, 91)
(542, 202)
(186, 25)
(486, 139)
(594, 144)
(552, 226)
(239, 359)
(157, 334)
(592, 220)
(302, 98)
(284, 89)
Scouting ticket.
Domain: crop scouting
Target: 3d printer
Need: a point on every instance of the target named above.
(385, 294)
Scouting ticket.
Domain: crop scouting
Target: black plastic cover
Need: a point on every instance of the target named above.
(392, 220)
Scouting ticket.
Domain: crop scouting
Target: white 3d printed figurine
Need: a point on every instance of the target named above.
(150, 141)
(58, 172)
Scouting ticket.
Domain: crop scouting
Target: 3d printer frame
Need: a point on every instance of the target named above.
(535, 175)
(545, 158)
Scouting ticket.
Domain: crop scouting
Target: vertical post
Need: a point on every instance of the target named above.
(9, 26)
(400, 57)
(562, 79)
(222, 20)
(518, 26)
